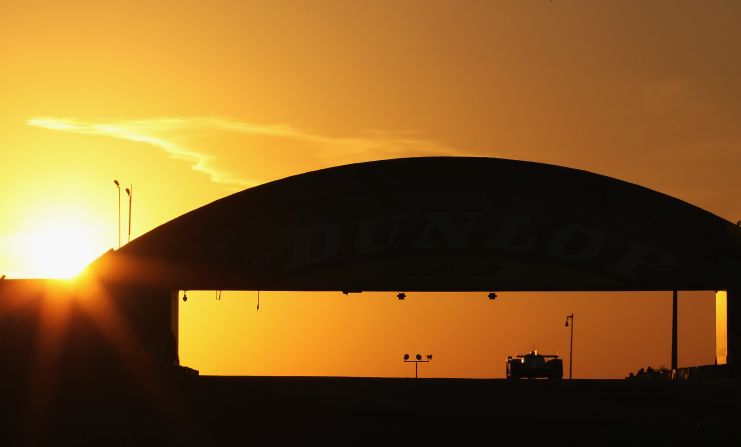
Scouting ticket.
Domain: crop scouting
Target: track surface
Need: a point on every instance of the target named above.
(327, 410)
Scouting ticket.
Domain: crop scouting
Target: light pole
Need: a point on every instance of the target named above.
(130, 193)
(416, 362)
(674, 332)
(571, 344)
(118, 186)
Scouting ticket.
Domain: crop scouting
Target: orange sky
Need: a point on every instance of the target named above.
(191, 101)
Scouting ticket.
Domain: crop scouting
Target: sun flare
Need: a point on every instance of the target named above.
(59, 246)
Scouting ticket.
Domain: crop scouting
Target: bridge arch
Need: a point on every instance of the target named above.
(440, 224)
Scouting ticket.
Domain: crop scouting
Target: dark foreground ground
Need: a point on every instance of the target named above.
(313, 410)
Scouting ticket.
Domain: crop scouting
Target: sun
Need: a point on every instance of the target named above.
(59, 245)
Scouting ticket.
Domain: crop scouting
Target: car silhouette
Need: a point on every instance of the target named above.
(534, 365)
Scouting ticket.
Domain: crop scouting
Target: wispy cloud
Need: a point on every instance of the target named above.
(180, 137)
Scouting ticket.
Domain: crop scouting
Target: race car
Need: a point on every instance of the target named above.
(534, 365)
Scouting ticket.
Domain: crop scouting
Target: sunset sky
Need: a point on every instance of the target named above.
(192, 101)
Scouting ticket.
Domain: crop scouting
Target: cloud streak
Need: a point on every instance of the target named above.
(177, 137)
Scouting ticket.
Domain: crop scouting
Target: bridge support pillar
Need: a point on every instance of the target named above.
(175, 322)
(733, 330)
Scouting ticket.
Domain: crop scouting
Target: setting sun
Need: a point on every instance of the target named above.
(58, 245)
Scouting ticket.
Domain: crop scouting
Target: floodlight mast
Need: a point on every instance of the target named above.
(130, 193)
(418, 359)
(118, 186)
